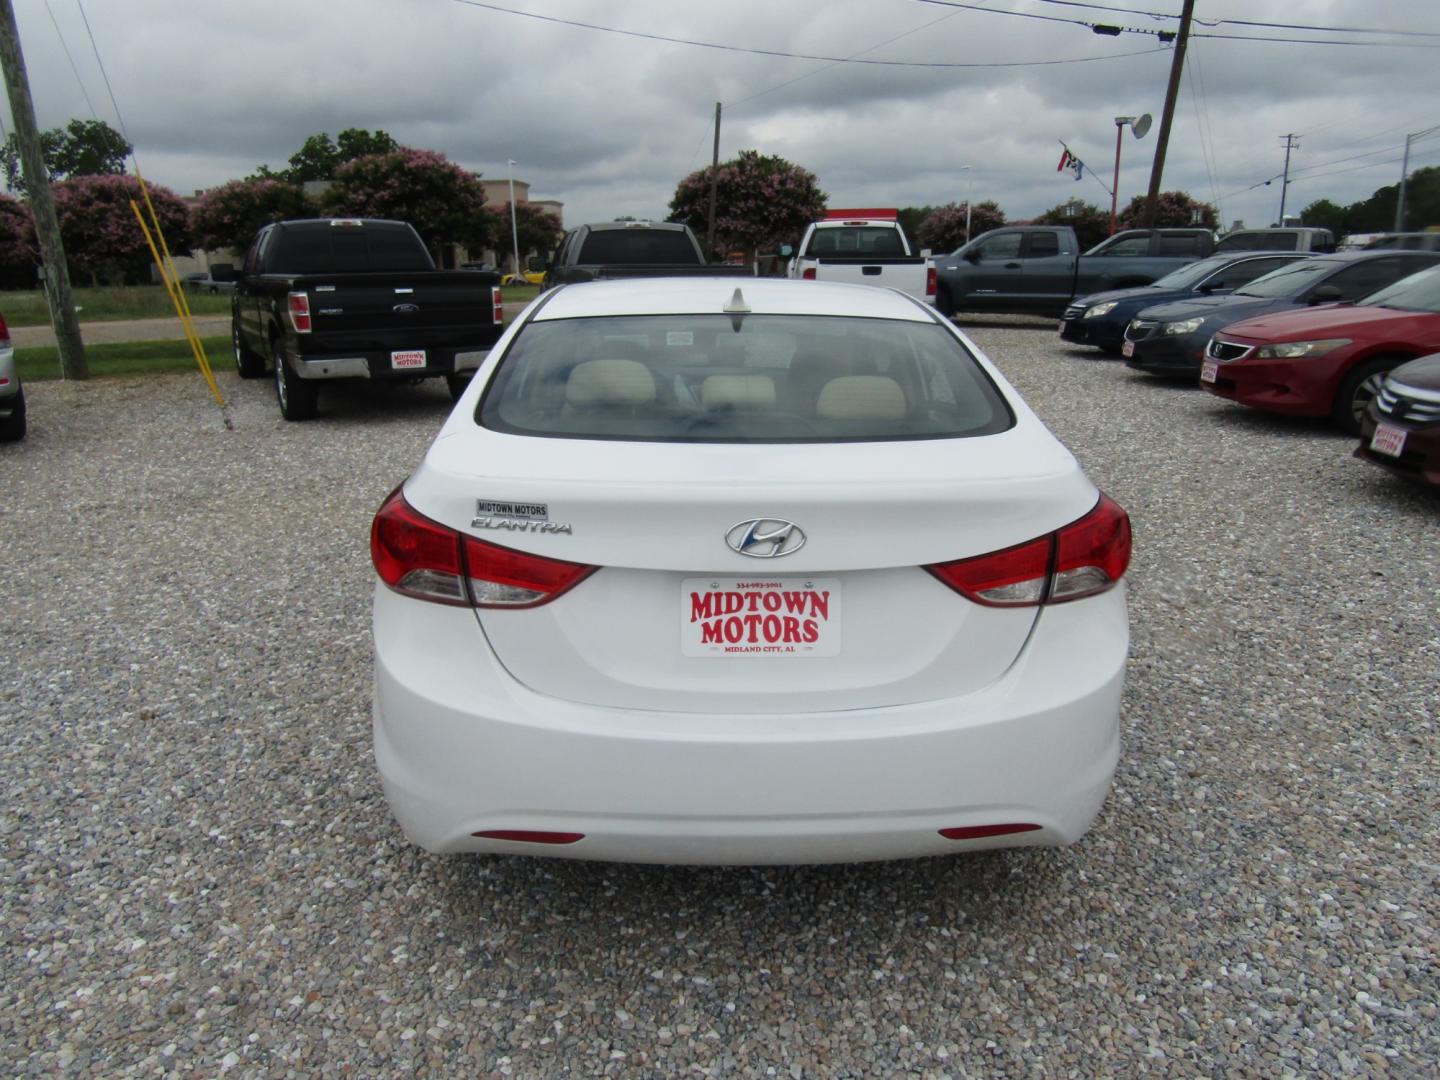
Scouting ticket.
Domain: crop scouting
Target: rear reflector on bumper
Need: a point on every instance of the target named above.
(979, 832)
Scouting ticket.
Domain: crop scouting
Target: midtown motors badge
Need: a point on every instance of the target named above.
(516, 517)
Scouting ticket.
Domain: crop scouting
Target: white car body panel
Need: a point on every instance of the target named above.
(586, 714)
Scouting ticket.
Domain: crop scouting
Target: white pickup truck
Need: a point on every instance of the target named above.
(864, 247)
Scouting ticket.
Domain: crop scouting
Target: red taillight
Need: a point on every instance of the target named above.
(527, 836)
(1083, 558)
(429, 561)
(498, 311)
(979, 832)
(300, 312)
(4, 331)
(931, 279)
(809, 274)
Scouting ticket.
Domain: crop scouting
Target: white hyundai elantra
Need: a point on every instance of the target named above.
(719, 570)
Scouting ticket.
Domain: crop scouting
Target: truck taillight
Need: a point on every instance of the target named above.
(498, 310)
(299, 303)
(1083, 558)
(430, 561)
(930, 281)
(809, 274)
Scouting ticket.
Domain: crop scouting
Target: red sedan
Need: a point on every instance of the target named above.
(1325, 361)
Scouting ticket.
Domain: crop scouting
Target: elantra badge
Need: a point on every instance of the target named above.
(765, 538)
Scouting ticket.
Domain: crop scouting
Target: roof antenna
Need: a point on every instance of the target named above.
(737, 309)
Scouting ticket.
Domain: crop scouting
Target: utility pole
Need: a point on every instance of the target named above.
(1400, 199)
(42, 201)
(1291, 143)
(1172, 91)
(714, 183)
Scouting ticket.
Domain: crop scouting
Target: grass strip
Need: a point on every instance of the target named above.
(125, 358)
(28, 308)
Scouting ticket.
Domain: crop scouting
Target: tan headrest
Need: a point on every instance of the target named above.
(737, 392)
(861, 397)
(610, 382)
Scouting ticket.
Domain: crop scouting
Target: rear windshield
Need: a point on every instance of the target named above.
(338, 249)
(758, 378)
(856, 240)
(638, 247)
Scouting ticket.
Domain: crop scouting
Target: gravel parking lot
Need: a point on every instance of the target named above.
(201, 875)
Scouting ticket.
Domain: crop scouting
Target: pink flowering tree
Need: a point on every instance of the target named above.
(444, 202)
(103, 240)
(18, 253)
(230, 215)
(1173, 209)
(944, 228)
(761, 202)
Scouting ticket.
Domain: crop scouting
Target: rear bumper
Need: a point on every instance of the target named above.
(378, 364)
(462, 747)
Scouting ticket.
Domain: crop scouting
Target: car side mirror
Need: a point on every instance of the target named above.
(1326, 294)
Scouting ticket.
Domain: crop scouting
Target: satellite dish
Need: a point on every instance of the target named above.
(1141, 126)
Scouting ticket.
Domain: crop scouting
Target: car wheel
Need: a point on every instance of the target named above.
(457, 384)
(296, 396)
(12, 428)
(943, 304)
(1358, 390)
(248, 363)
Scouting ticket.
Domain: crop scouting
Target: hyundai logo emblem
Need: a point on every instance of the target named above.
(765, 538)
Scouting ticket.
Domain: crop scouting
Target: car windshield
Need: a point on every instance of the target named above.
(1288, 280)
(1187, 277)
(752, 378)
(1418, 292)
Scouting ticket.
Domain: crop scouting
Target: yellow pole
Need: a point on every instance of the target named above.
(170, 284)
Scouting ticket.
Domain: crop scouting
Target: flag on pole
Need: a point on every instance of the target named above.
(1070, 161)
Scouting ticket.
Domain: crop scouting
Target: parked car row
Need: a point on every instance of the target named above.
(1350, 336)
(12, 394)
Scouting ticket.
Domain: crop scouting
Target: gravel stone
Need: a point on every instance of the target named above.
(200, 876)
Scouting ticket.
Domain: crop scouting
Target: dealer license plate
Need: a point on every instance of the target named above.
(766, 617)
(1209, 371)
(1128, 349)
(407, 358)
(1388, 440)
(1063, 324)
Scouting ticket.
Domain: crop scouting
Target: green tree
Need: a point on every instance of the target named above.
(944, 228)
(444, 203)
(911, 218)
(1324, 214)
(762, 201)
(319, 156)
(1422, 204)
(1091, 224)
(230, 215)
(81, 148)
(1173, 209)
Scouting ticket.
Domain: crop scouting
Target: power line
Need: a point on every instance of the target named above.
(799, 56)
(108, 88)
(81, 82)
(1244, 22)
(1311, 41)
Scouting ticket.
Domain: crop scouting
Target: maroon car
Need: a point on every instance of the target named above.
(1325, 361)
(1401, 429)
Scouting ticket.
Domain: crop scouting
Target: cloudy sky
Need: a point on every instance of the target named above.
(601, 114)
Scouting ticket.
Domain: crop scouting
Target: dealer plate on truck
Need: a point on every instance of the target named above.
(727, 617)
(1388, 440)
(409, 358)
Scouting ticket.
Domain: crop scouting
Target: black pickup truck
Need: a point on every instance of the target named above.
(1038, 269)
(615, 249)
(340, 298)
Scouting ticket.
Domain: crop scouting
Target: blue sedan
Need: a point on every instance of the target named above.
(1100, 319)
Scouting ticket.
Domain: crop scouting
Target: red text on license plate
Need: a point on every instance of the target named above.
(409, 358)
(1209, 371)
(1128, 349)
(1388, 440)
(760, 617)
